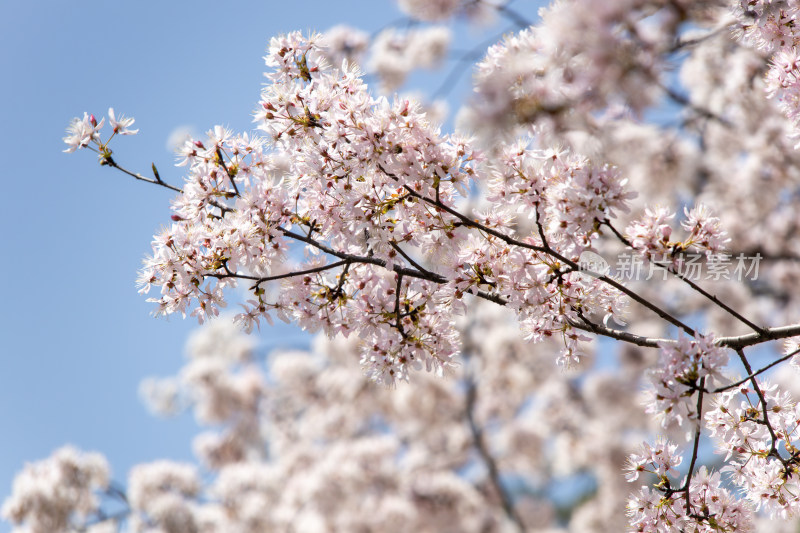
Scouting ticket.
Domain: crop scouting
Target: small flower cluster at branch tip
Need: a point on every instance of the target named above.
(659, 460)
(83, 132)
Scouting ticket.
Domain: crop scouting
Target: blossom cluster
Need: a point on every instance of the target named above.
(476, 11)
(50, 495)
(396, 53)
(545, 76)
(707, 507)
(756, 427)
(684, 367)
(339, 453)
(651, 234)
(771, 26)
(83, 132)
(372, 185)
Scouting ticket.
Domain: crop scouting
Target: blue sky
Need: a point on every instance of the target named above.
(76, 336)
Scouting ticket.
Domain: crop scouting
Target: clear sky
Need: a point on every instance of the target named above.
(76, 336)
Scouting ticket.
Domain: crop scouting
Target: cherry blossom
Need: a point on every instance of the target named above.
(449, 265)
(49, 495)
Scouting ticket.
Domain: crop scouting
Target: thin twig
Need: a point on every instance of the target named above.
(684, 101)
(681, 44)
(408, 258)
(262, 279)
(631, 338)
(756, 373)
(398, 321)
(227, 171)
(514, 16)
(457, 71)
(108, 160)
(488, 459)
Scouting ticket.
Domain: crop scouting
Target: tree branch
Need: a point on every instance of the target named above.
(763, 401)
(691, 284)
(756, 373)
(263, 279)
(698, 431)
(551, 252)
(742, 341)
(488, 459)
(108, 160)
(227, 171)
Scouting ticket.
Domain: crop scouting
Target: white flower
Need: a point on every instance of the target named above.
(121, 126)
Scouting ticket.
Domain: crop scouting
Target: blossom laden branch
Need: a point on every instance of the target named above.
(675, 248)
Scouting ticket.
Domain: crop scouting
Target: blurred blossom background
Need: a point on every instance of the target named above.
(77, 337)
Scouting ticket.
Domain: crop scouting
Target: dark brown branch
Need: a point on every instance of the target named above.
(260, 280)
(426, 275)
(227, 171)
(549, 251)
(108, 160)
(751, 339)
(756, 373)
(398, 320)
(718, 302)
(735, 342)
(763, 401)
(477, 225)
(698, 431)
(408, 258)
(619, 335)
